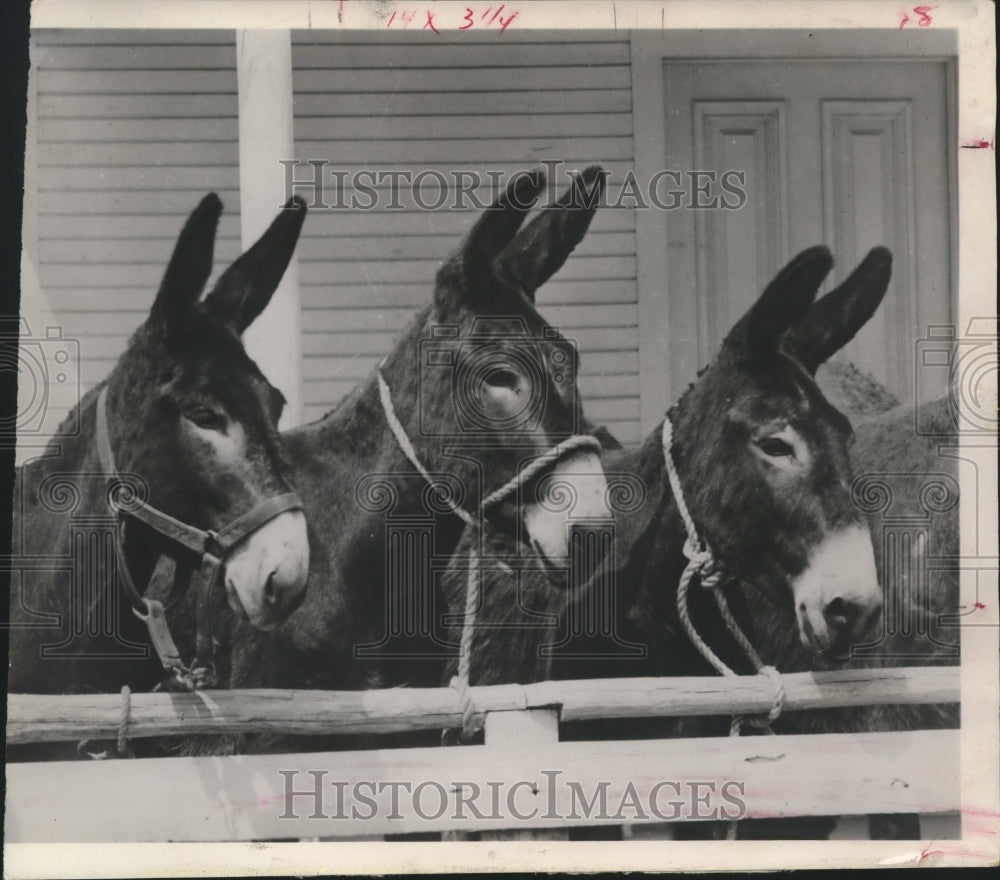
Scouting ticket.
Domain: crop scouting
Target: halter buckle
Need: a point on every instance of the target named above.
(212, 545)
(159, 634)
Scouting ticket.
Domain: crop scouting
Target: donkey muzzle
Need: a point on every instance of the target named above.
(838, 598)
(266, 573)
(572, 493)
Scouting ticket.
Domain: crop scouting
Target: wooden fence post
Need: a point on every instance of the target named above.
(523, 729)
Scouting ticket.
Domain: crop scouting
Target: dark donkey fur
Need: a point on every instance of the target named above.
(191, 420)
(757, 530)
(900, 475)
(913, 475)
(349, 462)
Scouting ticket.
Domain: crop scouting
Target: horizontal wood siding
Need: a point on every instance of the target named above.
(133, 129)
(459, 102)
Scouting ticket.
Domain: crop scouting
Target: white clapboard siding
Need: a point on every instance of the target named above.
(134, 128)
(459, 102)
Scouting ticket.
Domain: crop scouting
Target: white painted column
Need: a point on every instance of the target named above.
(264, 77)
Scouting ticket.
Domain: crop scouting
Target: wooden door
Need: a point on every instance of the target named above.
(850, 154)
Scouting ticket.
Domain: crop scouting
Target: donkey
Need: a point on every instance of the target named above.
(762, 459)
(912, 475)
(854, 392)
(904, 478)
(175, 476)
(478, 388)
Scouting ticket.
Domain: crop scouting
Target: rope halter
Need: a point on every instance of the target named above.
(567, 447)
(211, 547)
(703, 565)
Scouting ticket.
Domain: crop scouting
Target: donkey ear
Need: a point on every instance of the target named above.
(473, 265)
(495, 229)
(539, 250)
(834, 320)
(246, 287)
(785, 300)
(190, 264)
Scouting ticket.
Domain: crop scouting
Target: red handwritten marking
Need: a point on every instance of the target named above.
(492, 15)
(979, 821)
(923, 13)
(950, 851)
(980, 145)
(956, 851)
(981, 812)
(979, 606)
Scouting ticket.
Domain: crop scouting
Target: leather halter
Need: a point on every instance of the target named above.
(210, 546)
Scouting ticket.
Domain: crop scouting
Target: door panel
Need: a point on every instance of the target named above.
(851, 154)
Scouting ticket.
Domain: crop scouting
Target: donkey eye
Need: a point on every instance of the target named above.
(501, 377)
(775, 447)
(209, 419)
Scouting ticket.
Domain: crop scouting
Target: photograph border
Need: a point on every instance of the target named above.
(971, 23)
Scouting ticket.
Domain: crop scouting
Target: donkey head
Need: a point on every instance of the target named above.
(763, 455)
(192, 414)
(497, 384)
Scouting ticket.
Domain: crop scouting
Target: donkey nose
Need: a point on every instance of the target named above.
(271, 597)
(842, 616)
(281, 597)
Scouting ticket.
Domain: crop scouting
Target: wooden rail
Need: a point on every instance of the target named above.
(536, 789)
(35, 718)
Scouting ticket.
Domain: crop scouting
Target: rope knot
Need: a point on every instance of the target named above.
(122, 747)
(702, 562)
(778, 703)
(470, 727)
(763, 722)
